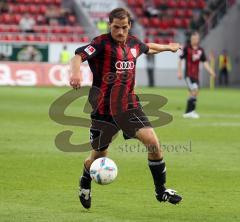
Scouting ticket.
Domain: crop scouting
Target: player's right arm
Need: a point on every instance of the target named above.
(75, 78)
(82, 54)
(180, 62)
(180, 73)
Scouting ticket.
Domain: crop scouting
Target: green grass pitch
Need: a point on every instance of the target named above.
(39, 183)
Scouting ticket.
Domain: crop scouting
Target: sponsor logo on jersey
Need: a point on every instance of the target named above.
(124, 65)
(90, 50)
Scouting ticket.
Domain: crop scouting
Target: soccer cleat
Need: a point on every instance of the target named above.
(170, 196)
(85, 197)
(191, 115)
(195, 115)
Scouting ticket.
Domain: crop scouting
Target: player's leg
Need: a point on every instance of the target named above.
(135, 124)
(85, 181)
(221, 77)
(155, 156)
(226, 77)
(101, 134)
(157, 165)
(192, 99)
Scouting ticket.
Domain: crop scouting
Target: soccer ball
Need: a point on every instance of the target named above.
(103, 171)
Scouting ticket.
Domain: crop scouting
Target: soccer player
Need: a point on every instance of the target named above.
(112, 60)
(193, 55)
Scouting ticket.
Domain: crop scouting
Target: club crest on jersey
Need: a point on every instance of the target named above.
(197, 55)
(134, 52)
(90, 50)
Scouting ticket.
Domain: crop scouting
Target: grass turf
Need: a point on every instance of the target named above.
(38, 182)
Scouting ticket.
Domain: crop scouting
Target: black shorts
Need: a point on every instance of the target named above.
(192, 84)
(105, 127)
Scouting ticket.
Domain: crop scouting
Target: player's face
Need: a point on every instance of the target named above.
(119, 29)
(195, 40)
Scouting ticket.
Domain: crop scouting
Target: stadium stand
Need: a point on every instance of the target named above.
(172, 15)
(162, 20)
(52, 21)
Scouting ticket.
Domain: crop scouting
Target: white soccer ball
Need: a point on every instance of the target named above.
(103, 171)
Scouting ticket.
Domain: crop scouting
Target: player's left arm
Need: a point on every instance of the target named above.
(207, 65)
(155, 48)
(209, 69)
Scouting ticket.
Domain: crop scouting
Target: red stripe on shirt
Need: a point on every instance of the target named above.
(104, 85)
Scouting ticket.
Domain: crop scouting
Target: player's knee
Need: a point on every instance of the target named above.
(194, 93)
(94, 155)
(153, 145)
(97, 154)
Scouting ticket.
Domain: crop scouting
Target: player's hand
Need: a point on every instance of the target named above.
(213, 74)
(75, 81)
(174, 46)
(179, 75)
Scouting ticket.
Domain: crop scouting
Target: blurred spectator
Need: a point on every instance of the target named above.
(26, 23)
(150, 10)
(200, 21)
(213, 4)
(53, 14)
(3, 7)
(67, 9)
(204, 17)
(63, 16)
(40, 19)
(195, 24)
(150, 69)
(163, 6)
(68, 5)
(102, 26)
(225, 66)
(65, 55)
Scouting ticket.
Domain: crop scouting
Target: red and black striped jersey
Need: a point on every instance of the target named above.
(192, 58)
(113, 66)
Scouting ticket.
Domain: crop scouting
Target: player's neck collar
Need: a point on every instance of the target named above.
(195, 47)
(116, 42)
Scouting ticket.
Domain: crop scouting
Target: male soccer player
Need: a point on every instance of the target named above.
(193, 55)
(112, 60)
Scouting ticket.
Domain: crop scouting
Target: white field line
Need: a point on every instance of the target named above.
(231, 116)
(227, 124)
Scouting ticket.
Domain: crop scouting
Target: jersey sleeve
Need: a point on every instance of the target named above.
(143, 47)
(184, 53)
(203, 56)
(91, 50)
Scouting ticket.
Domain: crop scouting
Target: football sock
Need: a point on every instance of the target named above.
(158, 170)
(191, 104)
(85, 180)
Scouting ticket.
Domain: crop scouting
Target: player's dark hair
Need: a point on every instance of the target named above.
(119, 13)
(194, 33)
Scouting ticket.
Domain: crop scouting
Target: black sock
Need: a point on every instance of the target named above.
(191, 104)
(158, 170)
(85, 180)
